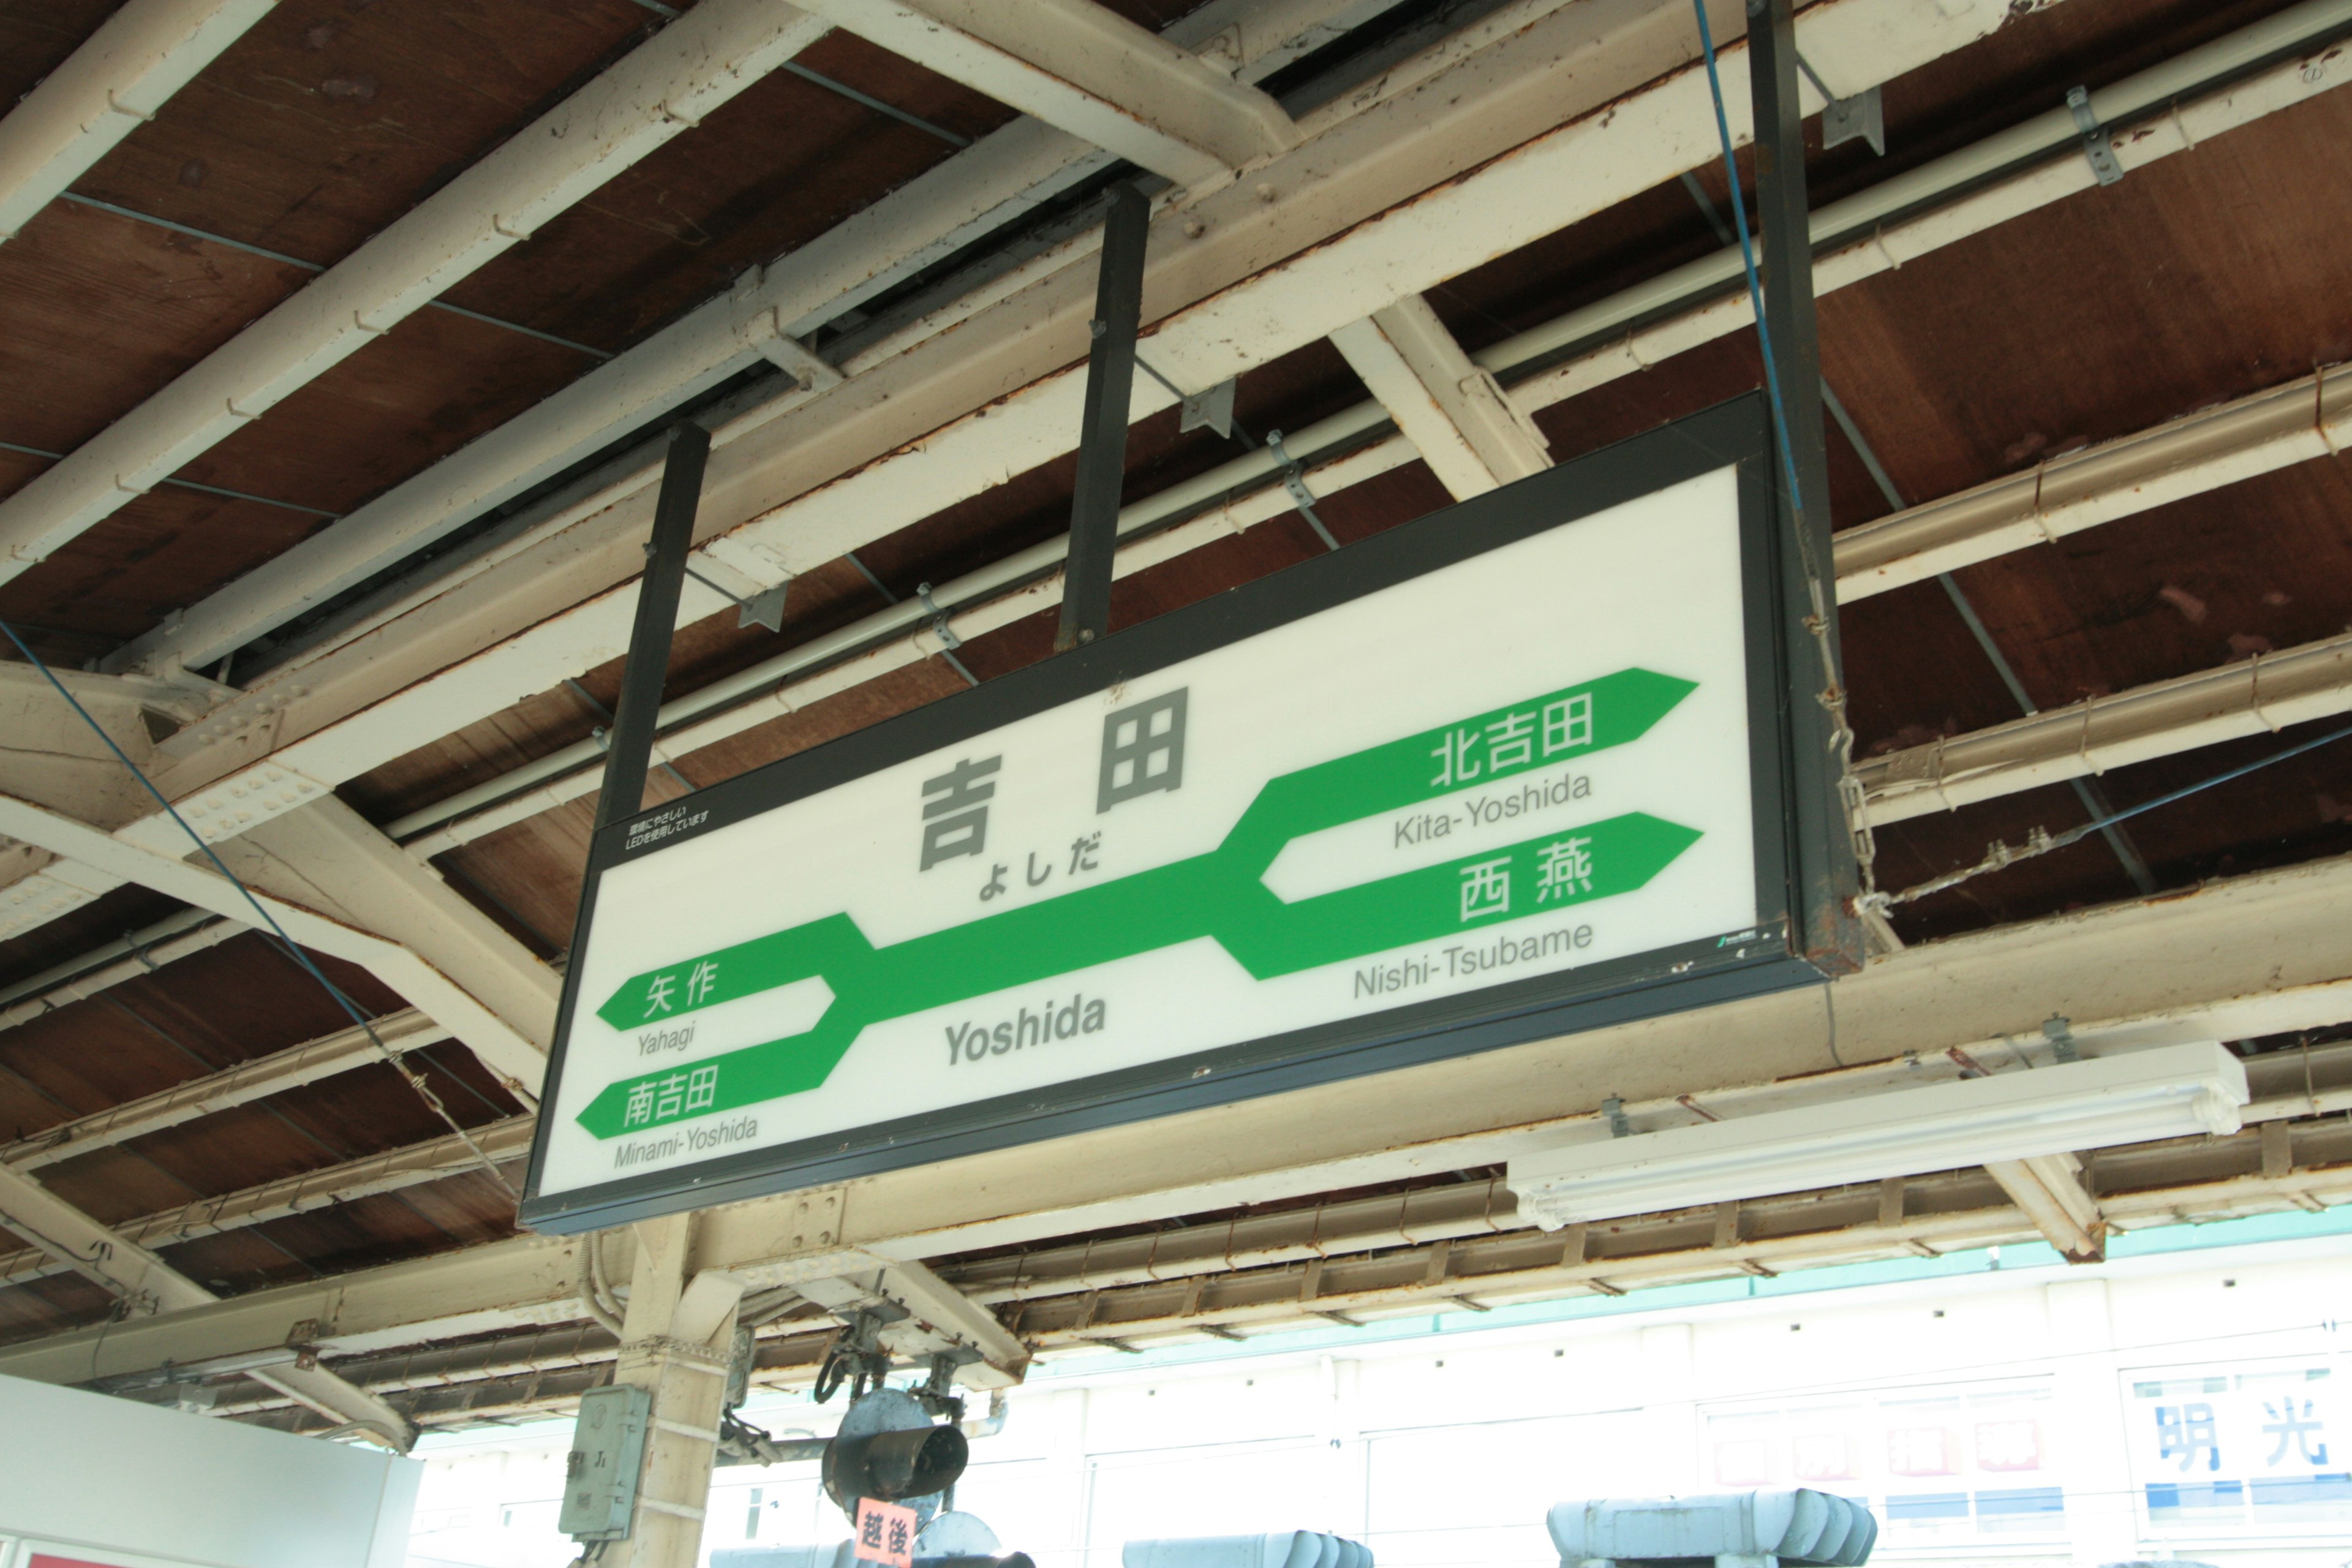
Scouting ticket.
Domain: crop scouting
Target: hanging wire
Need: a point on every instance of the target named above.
(2038, 842)
(277, 934)
(1817, 622)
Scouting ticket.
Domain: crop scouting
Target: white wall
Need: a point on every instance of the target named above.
(85, 1470)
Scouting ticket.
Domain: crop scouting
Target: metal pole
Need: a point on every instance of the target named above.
(1102, 435)
(629, 744)
(1828, 883)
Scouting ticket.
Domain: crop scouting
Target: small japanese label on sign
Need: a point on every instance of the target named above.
(1465, 754)
(885, 1534)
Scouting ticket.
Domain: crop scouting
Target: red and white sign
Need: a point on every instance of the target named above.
(885, 1534)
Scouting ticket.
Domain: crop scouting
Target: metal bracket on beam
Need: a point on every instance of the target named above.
(1620, 1125)
(763, 609)
(939, 628)
(1862, 117)
(1210, 410)
(2096, 147)
(1294, 479)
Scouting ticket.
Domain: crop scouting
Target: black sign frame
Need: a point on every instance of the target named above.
(1766, 958)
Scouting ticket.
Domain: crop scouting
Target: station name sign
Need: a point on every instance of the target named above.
(1514, 769)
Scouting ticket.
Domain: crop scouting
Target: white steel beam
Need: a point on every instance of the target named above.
(114, 83)
(328, 858)
(2190, 122)
(134, 953)
(667, 85)
(2304, 419)
(1450, 166)
(938, 1318)
(2284, 424)
(1473, 437)
(412, 1166)
(80, 1244)
(2255, 955)
(2049, 1188)
(2186, 125)
(210, 1093)
(47, 753)
(2251, 696)
(1085, 69)
(1958, 1209)
(514, 1047)
(1006, 175)
(149, 1286)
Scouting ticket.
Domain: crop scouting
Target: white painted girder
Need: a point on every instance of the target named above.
(513, 1047)
(1473, 437)
(939, 1318)
(1007, 174)
(118, 79)
(210, 1093)
(2255, 955)
(148, 1286)
(130, 956)
(81, 1245)
(327, 858)
(408, 1166)
(667, 85)
(48, 754)
(2253, 696)
(2049, 1188)
(2283, 425)
(2296, 422)
(1086, 71)
(2186, 125)
(1464, 130)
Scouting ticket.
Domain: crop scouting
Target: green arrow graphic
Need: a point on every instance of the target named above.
(1220, 895)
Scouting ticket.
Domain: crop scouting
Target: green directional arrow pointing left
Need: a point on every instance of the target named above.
(1220, 895)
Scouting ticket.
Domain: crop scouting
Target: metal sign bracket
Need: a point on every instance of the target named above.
(2097, 147)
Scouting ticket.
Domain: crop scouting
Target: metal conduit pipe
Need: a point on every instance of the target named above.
(1352, 437)
(141, 952)
(2194, 72)
(208, 1093)
(107, 88)
(908, 615)
(2255, 696)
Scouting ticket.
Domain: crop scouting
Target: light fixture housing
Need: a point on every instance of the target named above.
(2166, 1091)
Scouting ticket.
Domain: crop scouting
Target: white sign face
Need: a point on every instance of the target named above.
(1514, 767)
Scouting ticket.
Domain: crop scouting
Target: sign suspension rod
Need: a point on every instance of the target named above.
(631, 752)
(1828, 888)
(1102, 434)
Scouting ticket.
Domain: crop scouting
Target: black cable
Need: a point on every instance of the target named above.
(291, 949)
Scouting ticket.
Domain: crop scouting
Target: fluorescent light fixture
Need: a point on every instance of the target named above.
(2169, 1092)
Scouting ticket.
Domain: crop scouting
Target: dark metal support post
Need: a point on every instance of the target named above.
(630, 742)
(1102, 435)
(1833, 935)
